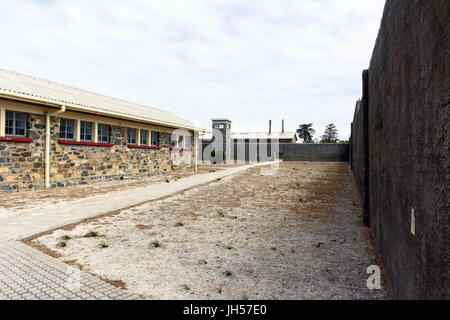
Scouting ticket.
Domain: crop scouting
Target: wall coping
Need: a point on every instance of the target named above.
(16, 139)
(85, 143)
(135, 146)
(180, 149)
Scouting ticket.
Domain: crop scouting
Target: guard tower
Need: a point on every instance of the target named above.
(221, 133)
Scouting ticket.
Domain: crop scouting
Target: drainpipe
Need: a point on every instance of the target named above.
(47, 143)
(196, 138)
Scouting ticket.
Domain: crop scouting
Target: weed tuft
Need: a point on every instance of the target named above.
(186, 287)
(91, 234)
(156, 244)
(62, 244)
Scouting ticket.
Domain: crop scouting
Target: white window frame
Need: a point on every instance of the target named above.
(101, 134)
(178, 141)
(135, 130)
(84, 132)
(14, 126)
(158, 136)
(74, 128)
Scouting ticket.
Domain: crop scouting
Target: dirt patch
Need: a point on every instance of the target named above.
(143, 227)
(295, 234)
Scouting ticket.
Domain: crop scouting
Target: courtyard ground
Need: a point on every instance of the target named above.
(297, 234)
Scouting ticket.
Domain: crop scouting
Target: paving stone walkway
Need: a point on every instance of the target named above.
(28, 274)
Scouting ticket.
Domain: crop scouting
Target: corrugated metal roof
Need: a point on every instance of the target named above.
(20, 86)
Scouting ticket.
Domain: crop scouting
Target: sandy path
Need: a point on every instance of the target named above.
(294, 235)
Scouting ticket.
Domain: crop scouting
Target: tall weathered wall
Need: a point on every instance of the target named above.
(408, 147)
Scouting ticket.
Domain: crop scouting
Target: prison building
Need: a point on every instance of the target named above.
(53, 135)
(244, 146)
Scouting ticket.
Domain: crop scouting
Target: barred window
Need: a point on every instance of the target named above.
(144, 137)
(155, 138)
(103, 133)
(16, 123)
(86, 131)
(66, 129)
(132, 134)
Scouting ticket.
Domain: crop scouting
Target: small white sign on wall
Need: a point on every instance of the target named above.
(413, 222)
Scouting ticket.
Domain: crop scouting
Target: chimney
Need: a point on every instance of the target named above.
(282, 126)
(270, 126)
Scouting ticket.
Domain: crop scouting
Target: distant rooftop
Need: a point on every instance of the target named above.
(221, 120)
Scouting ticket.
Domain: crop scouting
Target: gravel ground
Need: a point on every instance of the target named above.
(294, 235)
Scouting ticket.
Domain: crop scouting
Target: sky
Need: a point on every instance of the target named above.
(250, 61)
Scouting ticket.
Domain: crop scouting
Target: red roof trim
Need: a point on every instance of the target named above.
(85, 143)
(16, 139)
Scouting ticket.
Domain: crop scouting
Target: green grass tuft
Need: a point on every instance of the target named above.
(62, 244)
(91, 234)
(156, 244)
(186, 287)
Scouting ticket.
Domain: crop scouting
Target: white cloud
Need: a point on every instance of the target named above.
(250, 61)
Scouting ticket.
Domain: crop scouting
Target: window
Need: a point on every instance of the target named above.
(86, 131)
(180, 141)
(67, 129)
(155, 138)
(144, 137)
(103, 133)
(187, 140)
(132, 134)
(16, 123)
(173, 141)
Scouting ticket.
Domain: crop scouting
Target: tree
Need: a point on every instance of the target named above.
(306, 132)
(330, 135)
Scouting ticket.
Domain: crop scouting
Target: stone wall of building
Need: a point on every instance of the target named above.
(22, 165)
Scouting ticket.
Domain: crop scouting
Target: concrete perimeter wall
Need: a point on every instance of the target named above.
(260, 152)
(406, 161)
(316, 152)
